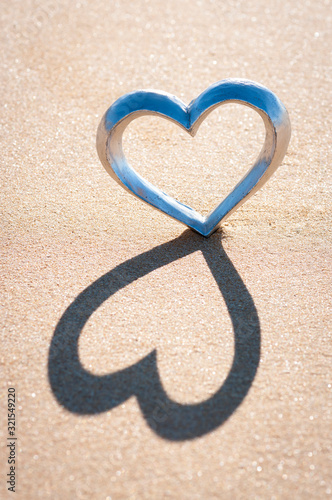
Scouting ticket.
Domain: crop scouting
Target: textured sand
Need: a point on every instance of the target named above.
(150, 363)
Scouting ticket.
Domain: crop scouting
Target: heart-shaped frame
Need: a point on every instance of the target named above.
(152, 102)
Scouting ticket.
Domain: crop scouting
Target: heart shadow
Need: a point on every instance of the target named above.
(84, 393)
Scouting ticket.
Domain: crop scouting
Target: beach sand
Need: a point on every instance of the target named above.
(147, 361)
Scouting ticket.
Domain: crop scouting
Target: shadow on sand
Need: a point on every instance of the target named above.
(81, 392)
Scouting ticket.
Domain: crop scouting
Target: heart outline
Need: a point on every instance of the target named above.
(82, 392)
(153, 102)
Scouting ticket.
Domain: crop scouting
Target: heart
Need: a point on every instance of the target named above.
(152, 102)
(84, 393)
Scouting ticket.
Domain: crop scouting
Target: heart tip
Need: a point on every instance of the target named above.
(202, 232)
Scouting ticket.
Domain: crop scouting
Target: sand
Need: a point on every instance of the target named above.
(149, 362)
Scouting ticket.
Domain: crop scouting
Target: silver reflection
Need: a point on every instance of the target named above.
(153, 102)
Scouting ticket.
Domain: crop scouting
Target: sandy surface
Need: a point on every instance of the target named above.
(149, 362)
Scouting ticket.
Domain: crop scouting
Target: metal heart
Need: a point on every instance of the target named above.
(152, 102)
